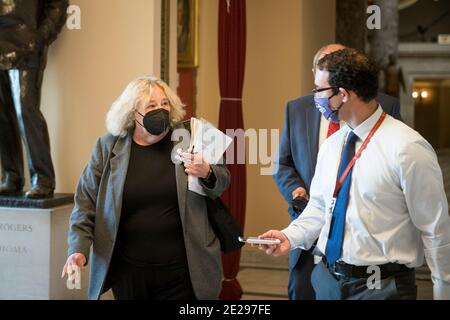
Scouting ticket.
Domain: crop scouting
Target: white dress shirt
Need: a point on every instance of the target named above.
(397, 210)
(323, 129)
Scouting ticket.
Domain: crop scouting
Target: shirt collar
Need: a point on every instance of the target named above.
(363, 130)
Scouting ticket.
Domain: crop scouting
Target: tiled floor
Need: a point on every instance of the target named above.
(263, 284)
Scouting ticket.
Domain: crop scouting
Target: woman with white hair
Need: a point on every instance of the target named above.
(150, 236)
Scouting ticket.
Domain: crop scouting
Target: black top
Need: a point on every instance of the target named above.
(150, 230)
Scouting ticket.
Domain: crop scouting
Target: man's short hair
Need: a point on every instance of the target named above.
(352, 70)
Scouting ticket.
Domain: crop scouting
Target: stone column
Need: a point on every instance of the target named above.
(384, 42)
(351, 23)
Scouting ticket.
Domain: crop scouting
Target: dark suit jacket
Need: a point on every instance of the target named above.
(299, 147)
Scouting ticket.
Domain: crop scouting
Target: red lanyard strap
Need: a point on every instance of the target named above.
(341, 180)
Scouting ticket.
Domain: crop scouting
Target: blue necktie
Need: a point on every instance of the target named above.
(336, 234)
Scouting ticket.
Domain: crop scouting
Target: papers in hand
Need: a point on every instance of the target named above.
(210, 142)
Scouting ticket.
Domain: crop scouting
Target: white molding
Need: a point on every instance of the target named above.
(415, 50)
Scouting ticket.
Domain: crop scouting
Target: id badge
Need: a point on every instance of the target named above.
(331, 206)
(328, 222)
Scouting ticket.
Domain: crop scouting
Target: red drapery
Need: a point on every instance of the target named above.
(232, 44)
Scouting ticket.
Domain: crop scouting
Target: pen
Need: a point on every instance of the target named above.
(192, 152)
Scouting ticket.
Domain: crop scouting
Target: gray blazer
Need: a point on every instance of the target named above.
(98, 204)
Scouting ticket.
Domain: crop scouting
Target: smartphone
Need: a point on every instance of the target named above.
(299, 204)
(256, 240)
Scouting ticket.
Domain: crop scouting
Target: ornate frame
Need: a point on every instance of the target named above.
(187, 33)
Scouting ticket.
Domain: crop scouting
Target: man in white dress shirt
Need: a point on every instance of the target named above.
(378, 216)
(304, 131)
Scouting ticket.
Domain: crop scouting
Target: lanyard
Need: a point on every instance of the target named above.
(341, 180)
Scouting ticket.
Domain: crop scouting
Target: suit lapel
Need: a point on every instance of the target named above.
(313, 128)
(119, 161)
(182, 179)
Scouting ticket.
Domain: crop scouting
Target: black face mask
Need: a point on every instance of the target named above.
(156, 121)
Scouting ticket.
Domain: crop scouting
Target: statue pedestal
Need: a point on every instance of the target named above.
(33, 249)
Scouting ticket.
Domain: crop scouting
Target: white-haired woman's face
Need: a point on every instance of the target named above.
(157, 100)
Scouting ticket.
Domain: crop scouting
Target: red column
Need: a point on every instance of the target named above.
(186, 89)
(232, 45)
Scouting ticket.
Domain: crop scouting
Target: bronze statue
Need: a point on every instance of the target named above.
(393, 78)
(27, 28)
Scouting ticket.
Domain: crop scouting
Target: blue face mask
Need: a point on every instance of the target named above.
(323, 104)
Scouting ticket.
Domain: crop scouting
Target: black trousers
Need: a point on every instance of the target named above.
(20, 117)
(328, 286)
(156, 282)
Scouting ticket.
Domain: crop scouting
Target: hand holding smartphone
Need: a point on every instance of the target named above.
(256, 240)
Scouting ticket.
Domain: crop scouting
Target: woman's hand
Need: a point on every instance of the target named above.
(194, 164)
(75, 260)
(275, 249)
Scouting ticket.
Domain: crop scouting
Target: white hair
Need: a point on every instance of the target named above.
(121, 115)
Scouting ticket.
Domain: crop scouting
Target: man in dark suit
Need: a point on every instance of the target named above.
(303, 133)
